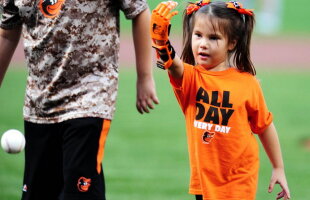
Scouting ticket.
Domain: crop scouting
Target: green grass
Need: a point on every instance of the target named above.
(146, 155)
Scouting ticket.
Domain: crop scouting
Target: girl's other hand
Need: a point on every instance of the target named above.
(278, 177)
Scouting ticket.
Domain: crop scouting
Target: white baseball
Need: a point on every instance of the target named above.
(13, 141)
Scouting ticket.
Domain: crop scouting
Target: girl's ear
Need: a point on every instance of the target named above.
(232, 45)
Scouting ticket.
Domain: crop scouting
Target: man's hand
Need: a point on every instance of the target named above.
(146, 95)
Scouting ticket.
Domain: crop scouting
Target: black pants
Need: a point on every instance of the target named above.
(198, 197)
(63, 160)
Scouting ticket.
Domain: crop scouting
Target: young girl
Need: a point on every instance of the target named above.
(221, 99)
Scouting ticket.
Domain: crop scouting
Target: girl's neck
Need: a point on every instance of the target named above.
(218, 68)
(221, 67)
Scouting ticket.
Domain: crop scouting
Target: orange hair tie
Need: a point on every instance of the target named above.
(192, 7)
(239, 7)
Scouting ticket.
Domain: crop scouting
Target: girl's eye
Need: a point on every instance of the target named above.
(198, 35)
(214, 38)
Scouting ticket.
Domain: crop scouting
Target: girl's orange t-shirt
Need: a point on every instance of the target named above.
(222, 111)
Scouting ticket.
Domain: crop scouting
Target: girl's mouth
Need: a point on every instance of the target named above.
(203, 56)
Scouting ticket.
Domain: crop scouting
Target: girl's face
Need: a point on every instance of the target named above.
(210, 47)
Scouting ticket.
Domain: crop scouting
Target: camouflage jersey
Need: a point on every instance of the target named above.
(72, 49)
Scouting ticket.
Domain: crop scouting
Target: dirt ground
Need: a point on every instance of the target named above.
(279, 52)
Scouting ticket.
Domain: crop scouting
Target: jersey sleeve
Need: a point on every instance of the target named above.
(181, 87)
(10, 15)
(132, 8)
(259, 115)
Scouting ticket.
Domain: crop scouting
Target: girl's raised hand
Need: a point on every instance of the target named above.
(160, 20)
(160, 28)
(164, 8)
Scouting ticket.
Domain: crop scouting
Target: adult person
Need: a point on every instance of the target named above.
(71, 49)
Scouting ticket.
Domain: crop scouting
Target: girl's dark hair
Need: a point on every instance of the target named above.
(237, 27)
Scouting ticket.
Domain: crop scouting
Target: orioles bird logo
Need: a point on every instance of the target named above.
(83, 184)
(161, 30)
(207, 137)
(51, 8)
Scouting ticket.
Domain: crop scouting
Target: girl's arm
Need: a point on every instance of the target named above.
(8, 43)
(146, 91)
(176, 70)
(269, 139)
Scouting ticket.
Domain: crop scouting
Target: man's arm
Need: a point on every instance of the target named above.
(146, 92)
(8, 43)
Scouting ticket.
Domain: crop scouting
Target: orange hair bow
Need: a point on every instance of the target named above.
(239, 7)
(192, 7)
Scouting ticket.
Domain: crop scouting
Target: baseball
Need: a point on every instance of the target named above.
(13, 141)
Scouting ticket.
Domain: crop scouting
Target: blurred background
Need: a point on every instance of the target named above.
(146, 155)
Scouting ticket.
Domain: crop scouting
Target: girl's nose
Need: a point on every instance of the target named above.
(203, 44)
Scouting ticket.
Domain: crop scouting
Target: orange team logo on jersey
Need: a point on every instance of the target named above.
(51, 8)
(207, 137)
(83, 184)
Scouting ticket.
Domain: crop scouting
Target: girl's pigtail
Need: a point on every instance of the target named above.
(242, 57)
(187, 53)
